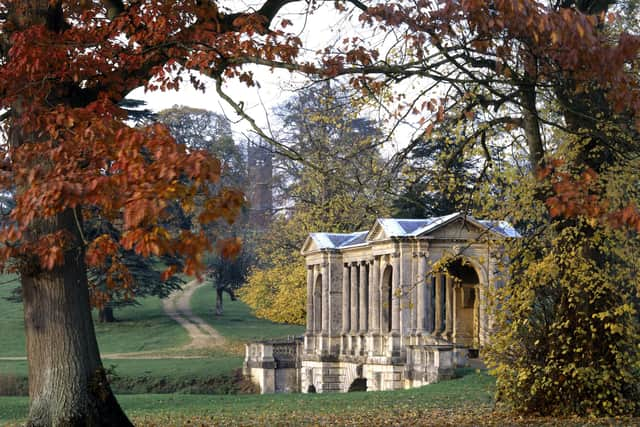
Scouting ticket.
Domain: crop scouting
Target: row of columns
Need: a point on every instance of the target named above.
(363, 293)
(365, 299)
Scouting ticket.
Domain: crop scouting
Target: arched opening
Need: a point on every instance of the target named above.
(311, 389)
(359, 384)
(317, 304)
(466, 304)
(386, 296)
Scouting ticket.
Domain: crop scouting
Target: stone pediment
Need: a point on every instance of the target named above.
(466, 227)
(377, 232)
(309, 246)
(457, 229)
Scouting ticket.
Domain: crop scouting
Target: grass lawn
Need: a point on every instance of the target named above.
(144, 327)
(161, 368)
(465, 401)
(139, 328)
(13, 342)
(472, 390)
(237, 323)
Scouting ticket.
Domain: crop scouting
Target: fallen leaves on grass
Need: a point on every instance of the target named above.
(392, 416)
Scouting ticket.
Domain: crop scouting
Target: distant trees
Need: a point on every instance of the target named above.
(211, 131)
(439, 177)
(341, 186)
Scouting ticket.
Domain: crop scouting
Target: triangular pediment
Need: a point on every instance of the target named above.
(309, 245)
(458, 227)
(377, 232)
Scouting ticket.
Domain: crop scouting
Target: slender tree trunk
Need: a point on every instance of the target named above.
(219, 308)
(232, 294)
(67, 383)
(105, 315)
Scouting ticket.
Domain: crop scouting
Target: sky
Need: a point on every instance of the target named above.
(325, 27)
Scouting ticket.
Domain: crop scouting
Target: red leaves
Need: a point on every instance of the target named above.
(49, 249)
(583, 196)
(168, 272)
(226, 205)
(129, 175)
(100, 249)
(575, 196)
(229, 248)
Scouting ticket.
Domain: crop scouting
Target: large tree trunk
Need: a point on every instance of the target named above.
(67, 383)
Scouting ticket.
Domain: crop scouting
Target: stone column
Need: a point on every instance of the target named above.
(429, 309)
(476, 318)
(354, 298)
(370, 292)
(421, 293)
(363, 297)
(310, 297)
(346, 308)
(374, 289)
(414, 285)
(437, 329)
(396, 293)
(449, 307)
(324, 271)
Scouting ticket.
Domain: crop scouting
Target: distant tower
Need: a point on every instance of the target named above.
(260, 173)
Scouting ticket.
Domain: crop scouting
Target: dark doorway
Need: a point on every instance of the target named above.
(359, 384)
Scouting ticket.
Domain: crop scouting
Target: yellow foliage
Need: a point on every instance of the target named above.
(278, 293)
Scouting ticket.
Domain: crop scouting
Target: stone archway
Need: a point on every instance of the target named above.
(466, 303)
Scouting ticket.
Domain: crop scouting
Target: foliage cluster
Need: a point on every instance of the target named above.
(341, 186)
(569, 325)
(278, 293)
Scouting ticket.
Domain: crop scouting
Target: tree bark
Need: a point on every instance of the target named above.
(105, 315)
(219, 308)
(67, 382)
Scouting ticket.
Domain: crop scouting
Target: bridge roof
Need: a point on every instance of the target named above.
(401, 227)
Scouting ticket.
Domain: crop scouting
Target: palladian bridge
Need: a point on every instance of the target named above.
(398, 306)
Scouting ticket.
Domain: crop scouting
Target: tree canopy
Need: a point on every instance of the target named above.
(555, 83)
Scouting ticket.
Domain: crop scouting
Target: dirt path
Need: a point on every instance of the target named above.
(177, 307)
(201, 333)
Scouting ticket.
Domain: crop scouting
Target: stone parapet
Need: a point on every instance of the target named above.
(274, 365)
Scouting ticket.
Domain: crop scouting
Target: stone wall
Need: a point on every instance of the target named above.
(274, 365)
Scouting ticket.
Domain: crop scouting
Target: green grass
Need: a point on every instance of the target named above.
(237, 323)
(139, 328)
(161, 368)
(13, 341)
(144, 327)
(472, 391)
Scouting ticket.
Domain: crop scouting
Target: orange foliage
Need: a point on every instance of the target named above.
(71, 148)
